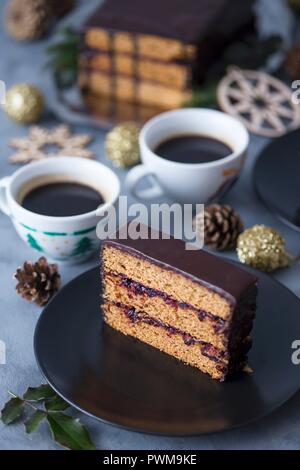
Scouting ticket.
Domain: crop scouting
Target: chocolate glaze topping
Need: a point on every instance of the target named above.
(186, 20)
(200, 266)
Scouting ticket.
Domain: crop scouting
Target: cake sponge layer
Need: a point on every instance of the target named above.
(170, 74)
(172, 344)
(179, 287)
(197, 323)
(145, 45)
(128, 89)
(105, 107)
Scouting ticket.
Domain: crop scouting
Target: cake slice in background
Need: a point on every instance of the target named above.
(152, 53)
(189, 304)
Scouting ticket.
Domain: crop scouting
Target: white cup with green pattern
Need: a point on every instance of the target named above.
(69, 239)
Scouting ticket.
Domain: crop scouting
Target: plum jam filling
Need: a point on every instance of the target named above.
(207, 349)
(136, 288)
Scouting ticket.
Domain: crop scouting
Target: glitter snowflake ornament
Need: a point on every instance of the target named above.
(263, 103)
(42, 143)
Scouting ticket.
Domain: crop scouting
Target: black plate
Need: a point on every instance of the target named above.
(127, 383)
(276, 178)
(71, 107)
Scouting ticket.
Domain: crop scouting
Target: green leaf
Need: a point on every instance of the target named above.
(204, 96)
(69, 32)
(39, 393)
(34, 421)
(63, 58)
(12, 410)
(56, 404)
(69, 432)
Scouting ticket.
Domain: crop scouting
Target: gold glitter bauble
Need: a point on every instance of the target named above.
(122, 144)
(24, 103)
(263, 248)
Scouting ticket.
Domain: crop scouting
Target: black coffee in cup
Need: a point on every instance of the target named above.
(60, 198)
(192, 149)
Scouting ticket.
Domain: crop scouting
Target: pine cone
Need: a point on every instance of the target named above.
(37, 282)
(292, 62)
(222, 226)
(27, 20)
(61, 7)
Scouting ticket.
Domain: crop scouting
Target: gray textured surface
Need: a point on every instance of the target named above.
(281, 430)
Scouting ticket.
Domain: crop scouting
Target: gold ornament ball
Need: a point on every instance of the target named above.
(263, 248)
(122, 145)
(24, 103)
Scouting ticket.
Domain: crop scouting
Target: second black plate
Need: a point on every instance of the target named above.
(276, 178)
(127, 383)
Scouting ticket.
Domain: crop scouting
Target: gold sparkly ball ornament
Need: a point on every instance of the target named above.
(263, 248)
(122, 145)
(24, 103)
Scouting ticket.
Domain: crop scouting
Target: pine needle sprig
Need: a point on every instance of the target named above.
(63, 58)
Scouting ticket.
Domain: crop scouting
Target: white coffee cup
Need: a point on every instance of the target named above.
(64, 239)
(189, 182)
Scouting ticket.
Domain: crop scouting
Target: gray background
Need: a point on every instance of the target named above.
(281, 430)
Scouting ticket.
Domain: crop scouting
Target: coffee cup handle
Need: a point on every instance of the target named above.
(3, 199)
(135, 176)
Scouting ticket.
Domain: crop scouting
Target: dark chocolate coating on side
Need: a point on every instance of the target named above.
(186, 20)
(215, 273)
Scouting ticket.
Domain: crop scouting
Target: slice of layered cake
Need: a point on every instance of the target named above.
(189, 304)
(152, 53)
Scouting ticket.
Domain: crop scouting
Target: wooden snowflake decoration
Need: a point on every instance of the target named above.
(260, 101)
(42, 143)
